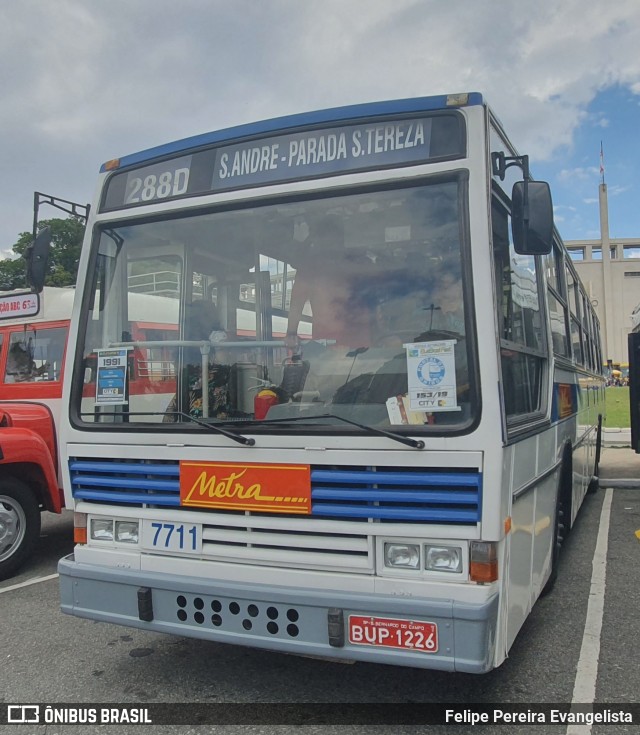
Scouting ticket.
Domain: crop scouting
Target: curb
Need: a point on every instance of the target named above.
(615, 438)
(604, 483)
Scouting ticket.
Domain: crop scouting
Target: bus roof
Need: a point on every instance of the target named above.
(331, 115)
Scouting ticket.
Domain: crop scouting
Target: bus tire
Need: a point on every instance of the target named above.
(558, 539)
(19, 525)
(561, 520)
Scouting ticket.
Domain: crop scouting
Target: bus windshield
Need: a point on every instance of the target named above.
(350, 305)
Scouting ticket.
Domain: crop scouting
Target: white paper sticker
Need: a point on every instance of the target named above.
(111, 381)
(431, 369)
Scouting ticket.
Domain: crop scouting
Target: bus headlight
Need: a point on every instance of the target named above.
(406, 556)
(127, 532)
(101, 529)
(443, 558)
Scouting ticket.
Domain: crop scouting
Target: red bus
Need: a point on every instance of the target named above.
(32, 361)
(32, 356)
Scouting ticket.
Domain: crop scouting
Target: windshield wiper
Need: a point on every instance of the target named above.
(247, 441)
(415, 443)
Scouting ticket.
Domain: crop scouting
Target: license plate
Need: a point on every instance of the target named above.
(179, 537)
(414, 635)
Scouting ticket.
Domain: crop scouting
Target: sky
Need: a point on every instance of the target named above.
(84, 81)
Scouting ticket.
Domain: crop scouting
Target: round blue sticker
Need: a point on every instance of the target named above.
(431, 371)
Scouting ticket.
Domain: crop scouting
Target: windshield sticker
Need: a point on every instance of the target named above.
(399, 412)
(431, 369)
(111, 382)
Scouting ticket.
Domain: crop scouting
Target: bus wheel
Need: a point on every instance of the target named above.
(19, 525)
(559, 535)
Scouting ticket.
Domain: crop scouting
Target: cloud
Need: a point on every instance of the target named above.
(578, 173)
(175, 69)
(615, 190)
(84, 82)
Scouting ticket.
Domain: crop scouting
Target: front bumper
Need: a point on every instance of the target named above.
(291, 620)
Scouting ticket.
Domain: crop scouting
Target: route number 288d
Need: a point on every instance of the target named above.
(157, 186)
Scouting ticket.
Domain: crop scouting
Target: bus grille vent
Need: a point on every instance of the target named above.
(355, 494)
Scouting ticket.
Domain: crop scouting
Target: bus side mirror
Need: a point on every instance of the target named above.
(532, 217)
(37, 257)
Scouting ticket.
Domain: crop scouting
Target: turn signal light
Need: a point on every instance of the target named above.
(80, 528)
(483, 562)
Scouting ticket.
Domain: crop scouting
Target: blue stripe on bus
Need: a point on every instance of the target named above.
(108, 496)
(130, 467)
(381, 477)
(277, 124)
(393, 496)
(428, 515)
(143, 483)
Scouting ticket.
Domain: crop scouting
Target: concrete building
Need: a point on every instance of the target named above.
(610, 270)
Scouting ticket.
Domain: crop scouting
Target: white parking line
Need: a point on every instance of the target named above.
(584, 689)
(35, 580)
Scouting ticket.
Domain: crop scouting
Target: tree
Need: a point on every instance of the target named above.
(66, 243)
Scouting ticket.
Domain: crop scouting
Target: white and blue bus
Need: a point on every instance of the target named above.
(386, 392)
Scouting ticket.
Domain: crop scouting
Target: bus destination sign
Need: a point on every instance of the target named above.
(13, 305)
(288, 157)
(322, 152)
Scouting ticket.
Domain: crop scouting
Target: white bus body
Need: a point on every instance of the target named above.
(353, 522)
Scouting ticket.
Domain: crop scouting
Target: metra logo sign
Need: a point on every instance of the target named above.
(257, 487)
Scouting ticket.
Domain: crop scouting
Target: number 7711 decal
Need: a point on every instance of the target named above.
(167, 536)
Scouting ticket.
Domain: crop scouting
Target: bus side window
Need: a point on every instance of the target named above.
(35, 355)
